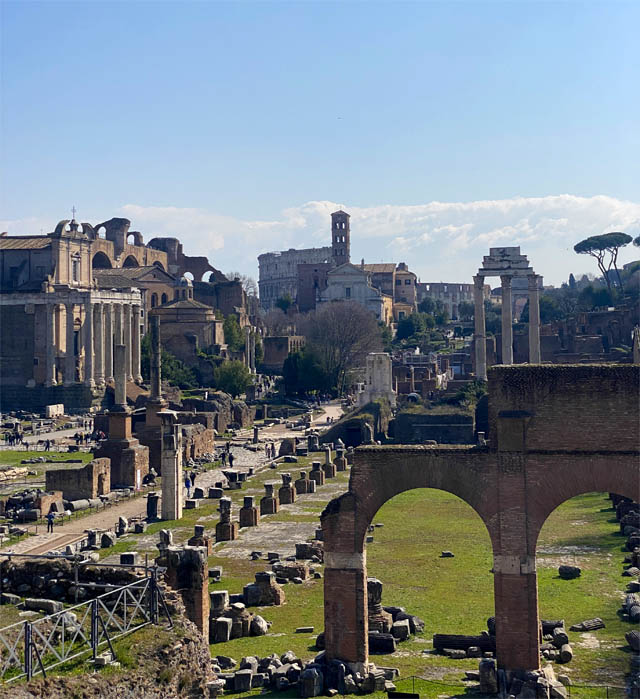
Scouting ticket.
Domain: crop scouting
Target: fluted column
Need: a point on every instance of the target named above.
(507, 321)
(70, 357)
(135, 345)
(126, 322)
(117, 325)
(534, 321)
(156, 361)
(50, 378)
(88, 344)
(247, 348)
(480, 333)
(98, 369)
(108, 342)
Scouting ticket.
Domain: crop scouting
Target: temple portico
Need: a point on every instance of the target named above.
(77, 330)
(506, 263)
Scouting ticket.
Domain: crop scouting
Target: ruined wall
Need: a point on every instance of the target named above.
(89, 481)
(583, 407)
(451, 428)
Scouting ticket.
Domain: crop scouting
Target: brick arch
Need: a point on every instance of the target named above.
(556, 432)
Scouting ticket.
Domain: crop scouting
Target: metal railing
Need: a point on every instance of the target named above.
(30, 647)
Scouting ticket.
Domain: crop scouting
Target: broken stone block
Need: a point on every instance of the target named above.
(47, 606)
(269, 504)
(311, 683)
(198, 493)
(488, 676)
(242, 680)
(222, 629)
(215, 493)
(286, 493)
(140, 527)
(382, 643)
(129, 559)
(249, 515)
(215, 573)
(191, 504)
(446, 554)
(107, 539)
(258, 626)
(317, 474)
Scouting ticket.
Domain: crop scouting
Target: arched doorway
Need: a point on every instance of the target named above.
(130, 262)
(406, 556)
(101, 261)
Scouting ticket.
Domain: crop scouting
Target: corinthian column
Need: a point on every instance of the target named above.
(127, 341)
(480, 336)
(135, 345)
(70, 357)
(507, 321)
(88, 344)
(534, 321)
(99, 344)
(50, 378)
(108, 342)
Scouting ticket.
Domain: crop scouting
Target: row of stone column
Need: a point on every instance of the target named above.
(480, 336)
(105, 325)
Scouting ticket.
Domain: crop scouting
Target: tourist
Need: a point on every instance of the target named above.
(224, 458)
(231, 457)
(50, 519)
(47, 444)
(187, 485)
(193, 477)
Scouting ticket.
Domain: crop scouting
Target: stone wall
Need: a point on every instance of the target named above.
(450, 428)
(85, 482)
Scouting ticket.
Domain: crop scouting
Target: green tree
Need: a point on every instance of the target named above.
(549, 311)
(174, 371)
(284, 303)
(466, 310)
(601, 246)
(232, 333)
(427, 305)
(303, 373)
(233, 377)
(593, 297)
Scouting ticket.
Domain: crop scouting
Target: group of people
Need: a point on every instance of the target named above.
(270, 450)
(190, 482)
(14, 439)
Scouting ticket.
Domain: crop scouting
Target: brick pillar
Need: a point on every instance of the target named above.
(514, 565)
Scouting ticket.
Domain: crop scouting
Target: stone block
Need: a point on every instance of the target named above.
(216, 493)
(401, 630)
(108, 539)
(383, 643)
(242, 680)
(130, 558)
(140, 527)
(259, 626)
(222, 629)
(43, 605)
(191, 504)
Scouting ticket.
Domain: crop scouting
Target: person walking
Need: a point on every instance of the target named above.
(187, 485)
(193, 477)
(224, 458)
(50, 519)
(231, 457)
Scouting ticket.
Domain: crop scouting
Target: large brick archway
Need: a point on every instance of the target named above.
(556, 432)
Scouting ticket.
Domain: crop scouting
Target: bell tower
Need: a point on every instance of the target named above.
(340, 238)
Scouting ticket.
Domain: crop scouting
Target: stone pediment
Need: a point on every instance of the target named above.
(505, 261)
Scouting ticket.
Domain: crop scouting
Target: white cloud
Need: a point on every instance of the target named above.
(441, 241)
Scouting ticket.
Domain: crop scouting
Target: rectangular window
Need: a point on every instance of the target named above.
(407, 282)
(347, 292)
(75, 267)
(398, 282)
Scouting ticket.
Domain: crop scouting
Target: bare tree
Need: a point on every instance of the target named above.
(341, 334)
(277, 323)
(248, 283)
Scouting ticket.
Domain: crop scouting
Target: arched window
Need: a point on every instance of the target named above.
(164, 298)
(176, 295)
(154, 300)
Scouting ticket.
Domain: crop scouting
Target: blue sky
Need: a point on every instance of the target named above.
(228, 123)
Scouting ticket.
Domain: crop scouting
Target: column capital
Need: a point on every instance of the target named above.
(505, 280)
(478, 282)
(533, 279)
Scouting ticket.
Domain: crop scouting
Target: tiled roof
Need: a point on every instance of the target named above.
(112, 281)
(386, 267)
(26, 242)
(129, 272)
(186, 303)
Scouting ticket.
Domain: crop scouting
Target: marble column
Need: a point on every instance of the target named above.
(480, 333)
(126, 322)
(50, 378)
(135, 345)
(156, 352)
(117, 325)
(88, 344)
(98, 369)
(108, 342)
(247, 346)
(507, 321)
(120, 378)
(70, 357)
(534, 320)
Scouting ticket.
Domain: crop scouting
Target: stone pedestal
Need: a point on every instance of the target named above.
(340, 461)
(303, 484)
(312, 442)
(249, 515)
(286, 493)
(226, 530)
(329, 470)
(171, 457)
(317, 474)
(379, 620)
(153, 500)
(269, 503)
(327, 455)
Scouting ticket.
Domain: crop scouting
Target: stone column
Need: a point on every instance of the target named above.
(108, 342)
(534, 321)
(507, 321)
(98, 369)
(88, 344)
(50, 379)
(135, 345)
(70, 358)
(247, 346)
(480, 334)
(171, 458)
(252, 356)
(117, 324)
(120, 378)
(127, 340)
(156, 361)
